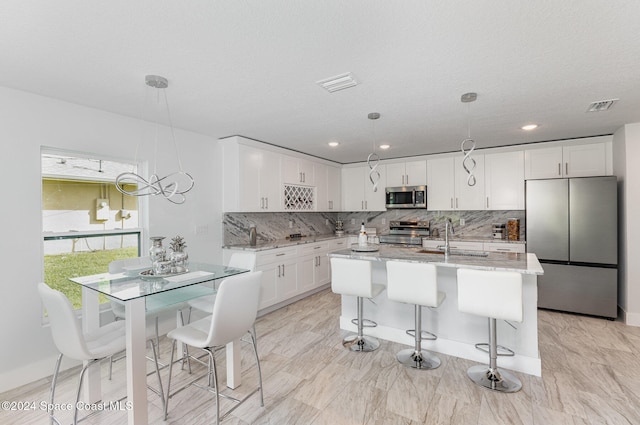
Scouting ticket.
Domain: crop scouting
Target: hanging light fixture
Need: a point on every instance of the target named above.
(373, 160)
(172, 186)
(468, 145)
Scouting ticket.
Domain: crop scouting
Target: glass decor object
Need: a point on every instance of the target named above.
(157, 252)
(179, 257)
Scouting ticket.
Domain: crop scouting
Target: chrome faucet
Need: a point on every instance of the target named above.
(448, 227)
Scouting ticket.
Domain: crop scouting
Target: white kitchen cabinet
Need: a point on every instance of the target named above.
(357, 189)
(575, 160)
(504, 180)
(334, 188)
(297, 171)
(279, 275)
(313, 269)
(410, 173)
(258, 181)
(328, 190)
(447, 187)
(505, 247)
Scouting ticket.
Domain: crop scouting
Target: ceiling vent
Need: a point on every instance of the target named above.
(601, 105)
(339, 82)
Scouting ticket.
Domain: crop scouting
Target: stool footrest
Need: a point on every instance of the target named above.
(429, 336)
(507, 352)
(366, 323)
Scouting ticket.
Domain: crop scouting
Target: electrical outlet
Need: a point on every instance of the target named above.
(290, 224)
(353, 221)
(384, 221)
(462, 221)
(326, 221)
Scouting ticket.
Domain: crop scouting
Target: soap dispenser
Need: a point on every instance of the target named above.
(362, 237)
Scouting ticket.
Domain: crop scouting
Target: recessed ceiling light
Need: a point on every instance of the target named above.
(529, 127)
(384, 146)
(333, 144)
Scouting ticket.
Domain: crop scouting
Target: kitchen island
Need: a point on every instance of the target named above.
(457, 332)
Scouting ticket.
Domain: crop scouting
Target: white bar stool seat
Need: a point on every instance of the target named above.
(496, 295)
(353, 277)
(415, 283)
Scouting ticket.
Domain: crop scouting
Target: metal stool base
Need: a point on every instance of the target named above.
(360, 343)
(422, 360)
(493, 379)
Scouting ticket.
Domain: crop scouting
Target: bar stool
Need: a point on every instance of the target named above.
(496, 295)
(415, 283)
(353, 277)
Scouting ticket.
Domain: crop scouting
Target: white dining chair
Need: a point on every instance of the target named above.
(234, 312)
(87, 347)
(117, 307)
(238, 260)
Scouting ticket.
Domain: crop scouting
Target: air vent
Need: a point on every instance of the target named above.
(601, 105)
(339, 82)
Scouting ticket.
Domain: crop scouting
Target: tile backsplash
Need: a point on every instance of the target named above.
(273, 226)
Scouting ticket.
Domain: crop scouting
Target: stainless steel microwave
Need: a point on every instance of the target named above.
(406, 197)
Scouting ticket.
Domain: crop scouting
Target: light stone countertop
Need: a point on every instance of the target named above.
(498, 261)
(283, 243)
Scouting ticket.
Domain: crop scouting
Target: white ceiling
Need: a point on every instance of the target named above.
(249, 67)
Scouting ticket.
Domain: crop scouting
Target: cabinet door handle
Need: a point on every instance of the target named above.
(502, 249)
(261, 203)
(317, 247)
(365, 205)
(559, 169)
(566, 168)
(279, 273)
(456, 203)
(406, 178)
(280, 255)
(283, 270)
(266, 203)
(361, 205)
(451, 202)
(487, 202)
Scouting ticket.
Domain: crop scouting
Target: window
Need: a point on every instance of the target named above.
(86, 221)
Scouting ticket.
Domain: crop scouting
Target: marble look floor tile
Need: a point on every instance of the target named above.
(355, 404)
(411, 393)
(320, 389)
(444, 410)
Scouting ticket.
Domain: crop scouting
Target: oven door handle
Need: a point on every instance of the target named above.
(413, 197)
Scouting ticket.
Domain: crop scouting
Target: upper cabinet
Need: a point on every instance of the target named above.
(328, 188)
(589, 157)
(447, 184)
(504, 180)
(357, 189)
(266, 180)
(411, 173)
(254, 179)
(297, 171)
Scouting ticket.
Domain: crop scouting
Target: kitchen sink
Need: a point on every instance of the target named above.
(459, 252)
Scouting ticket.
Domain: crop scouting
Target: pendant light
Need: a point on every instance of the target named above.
(468, 145)
(172, 186)
(373, 160)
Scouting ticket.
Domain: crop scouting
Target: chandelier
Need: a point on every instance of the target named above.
(468, 163)
(373, 160)
(172, 186)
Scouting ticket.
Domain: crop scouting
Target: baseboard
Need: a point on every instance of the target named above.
(631, 319)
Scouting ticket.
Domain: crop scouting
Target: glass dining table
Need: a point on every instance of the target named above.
(140, 294)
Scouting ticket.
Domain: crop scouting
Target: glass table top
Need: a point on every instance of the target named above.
(132, 284)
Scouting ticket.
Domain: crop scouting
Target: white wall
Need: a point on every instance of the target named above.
(28, 122)
(626, 150)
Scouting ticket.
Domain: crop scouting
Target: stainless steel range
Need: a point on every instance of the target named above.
(406, 232)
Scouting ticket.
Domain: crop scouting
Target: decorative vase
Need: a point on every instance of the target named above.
(180, 261)
(157, 252)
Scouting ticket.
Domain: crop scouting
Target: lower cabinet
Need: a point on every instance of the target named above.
(478, 246)
(292, 271)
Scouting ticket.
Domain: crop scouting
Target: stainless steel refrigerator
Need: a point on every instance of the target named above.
(572, 227)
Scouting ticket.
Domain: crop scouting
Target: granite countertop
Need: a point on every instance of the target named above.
(521, 263)
(473, 239)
